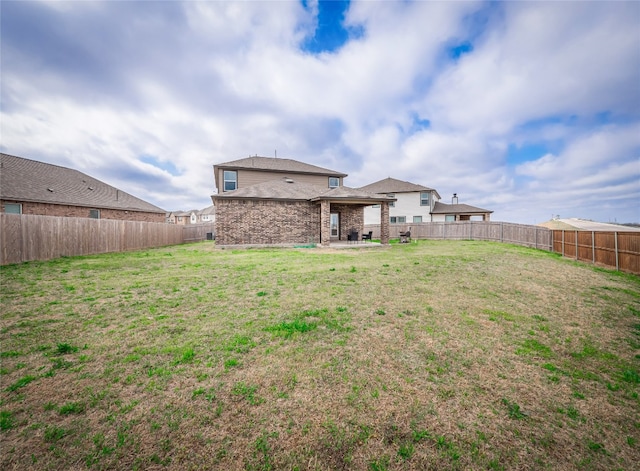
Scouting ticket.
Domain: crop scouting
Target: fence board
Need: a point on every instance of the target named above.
(520, 234)
(26, 237)
(619, 250)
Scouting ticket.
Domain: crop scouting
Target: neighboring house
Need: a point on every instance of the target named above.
(31, 187)
(183, 218)
(417, 203)
(576, 224)
(270, 201)
(208, 214)
(458, 212)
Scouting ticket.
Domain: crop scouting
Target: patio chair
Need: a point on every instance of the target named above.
(352, 236)
(405, 237)
(366, 237)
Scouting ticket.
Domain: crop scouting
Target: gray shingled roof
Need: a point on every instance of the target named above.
(272, 164)
(392, 185)
(443, 208)
(208, 211)
(289, 189)
(37, 182)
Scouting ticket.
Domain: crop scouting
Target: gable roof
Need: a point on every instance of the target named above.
(289, 189)
(208, 211)
(392, 185)
(37, 182)
(443, 208)
(272, 164)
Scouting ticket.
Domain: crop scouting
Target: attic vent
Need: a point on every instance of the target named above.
(91, 188)
(288, 180)
(50, 189)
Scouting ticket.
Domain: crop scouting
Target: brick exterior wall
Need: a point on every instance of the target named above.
(46, 209)
(351, 218)
(243, 222)
(384, 227)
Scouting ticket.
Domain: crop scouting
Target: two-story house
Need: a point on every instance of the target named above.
(417, 203)
(271, 201)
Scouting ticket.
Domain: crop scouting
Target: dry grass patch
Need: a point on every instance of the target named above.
(438, 354)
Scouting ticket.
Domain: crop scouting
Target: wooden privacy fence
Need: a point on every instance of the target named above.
(619, 250)
(520, 234)
(196, 232)
(29, 237)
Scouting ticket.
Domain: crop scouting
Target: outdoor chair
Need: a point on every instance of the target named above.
(366, 237)
(405, 237)
(352, 236)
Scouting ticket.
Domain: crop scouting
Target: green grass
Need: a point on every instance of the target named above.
(431, 355)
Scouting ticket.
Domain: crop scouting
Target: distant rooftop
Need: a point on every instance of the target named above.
(576, 224)
(443, 208)
(392, 185)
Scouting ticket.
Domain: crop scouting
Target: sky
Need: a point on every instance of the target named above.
(529, 109)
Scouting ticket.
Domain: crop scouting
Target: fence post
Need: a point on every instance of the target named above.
(593, 246)
(470, 231)
(576, 236)
(617, 259)
(563, 242)
(536, 237)
(501, 231)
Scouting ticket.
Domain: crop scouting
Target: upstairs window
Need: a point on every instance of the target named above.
(94, 213)
(334, 182)
(417, 218)
(398, 219)
(424, 199)
(391, 203)
(230, 180)
(13, 208)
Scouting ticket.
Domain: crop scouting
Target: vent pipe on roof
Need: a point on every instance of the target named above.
(454, 200)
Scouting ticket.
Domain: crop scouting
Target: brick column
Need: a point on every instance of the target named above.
(325, 223)
(384, 223)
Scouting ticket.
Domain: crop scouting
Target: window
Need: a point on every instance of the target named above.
(13, 208)
(230, 180)
(398, 219)
(450, 218)
(375, 206)
(334, 182)
(94, 213)
(417, 218)
(424, 199)
(391, 203)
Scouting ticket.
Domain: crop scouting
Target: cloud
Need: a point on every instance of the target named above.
(437, 93)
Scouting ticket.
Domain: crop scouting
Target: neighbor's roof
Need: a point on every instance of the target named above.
(25, 180)
(272, 164)
(209, 210)
(391, 185)
(443, 208)
(289, 189)
(576, 224)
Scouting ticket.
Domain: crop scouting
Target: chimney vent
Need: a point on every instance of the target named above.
(454, 200)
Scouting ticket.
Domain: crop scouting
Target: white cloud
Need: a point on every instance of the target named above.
(198, 83)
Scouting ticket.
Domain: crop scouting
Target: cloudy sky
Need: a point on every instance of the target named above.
(531, 109)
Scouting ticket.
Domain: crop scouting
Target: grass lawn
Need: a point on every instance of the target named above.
(431, 355)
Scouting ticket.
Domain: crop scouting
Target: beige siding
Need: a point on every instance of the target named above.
(252, 177)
